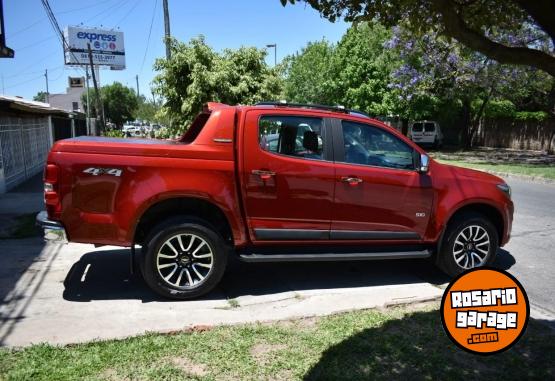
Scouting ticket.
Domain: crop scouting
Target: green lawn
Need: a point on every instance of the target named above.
(533, 170)
(391, 344)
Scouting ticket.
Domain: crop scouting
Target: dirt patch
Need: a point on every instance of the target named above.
(262, 351)
(190, 367)
(498, 156)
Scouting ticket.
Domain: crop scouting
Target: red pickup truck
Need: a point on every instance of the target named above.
(271, 182)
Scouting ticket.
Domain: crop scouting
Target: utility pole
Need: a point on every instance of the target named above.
(47, 100)
(275, 52)
(98, 101)
(167, 29)
(137, 80)
(88, 103)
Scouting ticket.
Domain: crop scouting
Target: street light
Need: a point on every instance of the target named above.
(275, 52)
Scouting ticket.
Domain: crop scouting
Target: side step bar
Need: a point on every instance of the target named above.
(334, 257)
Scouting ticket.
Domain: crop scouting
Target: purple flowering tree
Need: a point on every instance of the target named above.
(434, 67)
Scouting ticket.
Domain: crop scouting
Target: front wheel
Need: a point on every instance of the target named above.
(470, 241)
(184, 259)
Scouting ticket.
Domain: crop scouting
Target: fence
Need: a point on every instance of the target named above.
(518, 134)
(24, 144)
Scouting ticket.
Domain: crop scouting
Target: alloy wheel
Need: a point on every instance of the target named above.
(184, 261)
(471, 247)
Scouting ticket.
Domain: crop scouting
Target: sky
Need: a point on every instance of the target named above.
(224, 23)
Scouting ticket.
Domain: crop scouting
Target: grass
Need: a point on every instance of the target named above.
(390, 344)
(530, 170)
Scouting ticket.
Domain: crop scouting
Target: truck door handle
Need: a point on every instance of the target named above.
(352, 181)
(264, 175)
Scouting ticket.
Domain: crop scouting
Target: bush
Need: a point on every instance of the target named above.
(500, 109)
(535, 116)
(114, 134)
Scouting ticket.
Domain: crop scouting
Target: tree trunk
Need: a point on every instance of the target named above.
(405, 126)
(466, 125)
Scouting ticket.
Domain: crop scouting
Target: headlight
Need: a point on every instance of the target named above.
(505, 189)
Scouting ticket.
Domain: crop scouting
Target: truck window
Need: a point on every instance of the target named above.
(369, 145)
(292, 136)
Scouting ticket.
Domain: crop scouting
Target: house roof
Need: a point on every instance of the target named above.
(11, 103)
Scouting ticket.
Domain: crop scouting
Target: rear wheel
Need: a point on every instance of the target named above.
(184, 258)
(470, 241)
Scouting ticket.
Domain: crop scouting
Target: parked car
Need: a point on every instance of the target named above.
(271, 183)
(132, 130)
(426, 132)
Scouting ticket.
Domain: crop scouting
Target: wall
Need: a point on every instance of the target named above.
(64, 101)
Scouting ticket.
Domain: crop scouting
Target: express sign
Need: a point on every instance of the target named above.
(106, 46)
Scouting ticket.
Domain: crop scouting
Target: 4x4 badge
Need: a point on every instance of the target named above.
(420, 214)
(103, 171)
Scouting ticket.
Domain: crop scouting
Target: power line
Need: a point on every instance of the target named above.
(128, 13)
(149, 33)
(24, 82)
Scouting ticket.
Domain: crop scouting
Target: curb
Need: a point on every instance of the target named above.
(531, 179)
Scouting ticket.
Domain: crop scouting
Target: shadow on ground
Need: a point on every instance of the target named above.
(416, 347)
(106, 275)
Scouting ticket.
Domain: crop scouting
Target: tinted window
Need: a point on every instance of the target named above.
(292, 136)
(429, 127)
(370, 145)
(417, 127)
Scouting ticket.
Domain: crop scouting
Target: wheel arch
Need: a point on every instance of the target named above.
(166, 208)
(486, 209)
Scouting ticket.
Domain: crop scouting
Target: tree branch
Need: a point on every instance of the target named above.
(456, 27)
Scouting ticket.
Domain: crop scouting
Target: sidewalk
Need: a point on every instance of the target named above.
(64, 294)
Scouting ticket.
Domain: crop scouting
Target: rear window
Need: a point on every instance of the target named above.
(429, 127)
(417, 127)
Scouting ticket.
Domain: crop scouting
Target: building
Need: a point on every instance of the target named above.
(27, 131)
(71, 99)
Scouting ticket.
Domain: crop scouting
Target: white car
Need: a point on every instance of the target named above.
(132, 130)
(426, 132)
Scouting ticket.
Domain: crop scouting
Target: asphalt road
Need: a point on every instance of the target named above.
(531, 250)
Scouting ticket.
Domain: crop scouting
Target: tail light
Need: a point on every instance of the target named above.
(51, 191)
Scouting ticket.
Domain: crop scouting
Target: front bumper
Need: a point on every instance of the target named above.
(53, 230)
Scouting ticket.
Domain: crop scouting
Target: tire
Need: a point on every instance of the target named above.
(457, 254)
(176, 265)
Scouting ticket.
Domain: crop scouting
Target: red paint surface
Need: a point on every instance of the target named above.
(301, 194)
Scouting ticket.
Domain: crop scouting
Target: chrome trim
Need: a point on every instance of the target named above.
(222, 140)
(53, 230)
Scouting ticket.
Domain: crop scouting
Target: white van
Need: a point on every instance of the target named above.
(426, 132)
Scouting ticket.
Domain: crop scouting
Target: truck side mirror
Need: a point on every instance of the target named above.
(424, 163)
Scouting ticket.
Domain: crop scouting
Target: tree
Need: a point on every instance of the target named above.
(196, 74)
(40, 97)
(520, 32)
(354, 73)
(440, 68)
(119, 102)
(308, 74)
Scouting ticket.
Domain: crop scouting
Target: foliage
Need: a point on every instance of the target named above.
(497, 108)
(146, 109)
(354, 73)
(509, 31)
(119, 102)
(114, 134)
(196, 74)
(434, 66)
(40, 97)
(537, 116)
(309, 74)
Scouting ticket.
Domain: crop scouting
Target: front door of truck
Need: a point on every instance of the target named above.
(379, 196)
(288, 176)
